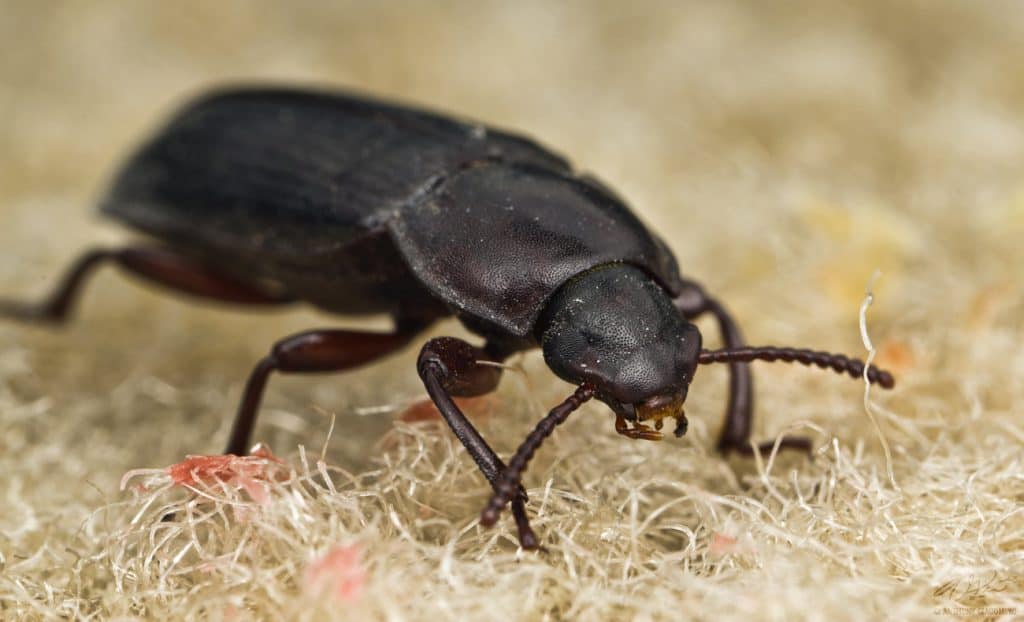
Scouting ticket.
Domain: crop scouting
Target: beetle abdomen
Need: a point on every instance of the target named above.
(290, 175)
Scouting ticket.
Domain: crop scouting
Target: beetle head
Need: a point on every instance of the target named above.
(617, 330)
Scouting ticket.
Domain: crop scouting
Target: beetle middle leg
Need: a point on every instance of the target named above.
(153, 263)
(693, 302)
(451, 367)
(305, 352)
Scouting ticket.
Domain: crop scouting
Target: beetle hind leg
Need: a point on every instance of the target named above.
(155, 264)
(56, 307)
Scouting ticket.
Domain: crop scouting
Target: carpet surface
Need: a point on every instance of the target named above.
(785, 150)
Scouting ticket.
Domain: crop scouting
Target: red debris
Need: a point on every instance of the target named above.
(895, 355)
(248, 472)
(339, 571)
(722, 544)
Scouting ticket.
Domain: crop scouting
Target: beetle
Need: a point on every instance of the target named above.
(278, 195)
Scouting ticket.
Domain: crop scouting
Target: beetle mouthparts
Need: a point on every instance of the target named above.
(657, 408)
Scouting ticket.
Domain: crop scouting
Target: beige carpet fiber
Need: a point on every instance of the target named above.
(785, 150)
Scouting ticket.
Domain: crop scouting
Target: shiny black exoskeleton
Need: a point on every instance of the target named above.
(274, 196)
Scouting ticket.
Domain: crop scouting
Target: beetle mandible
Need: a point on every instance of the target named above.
(270, 196)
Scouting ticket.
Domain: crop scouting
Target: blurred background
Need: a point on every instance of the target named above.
(701, 113)
(785, 150)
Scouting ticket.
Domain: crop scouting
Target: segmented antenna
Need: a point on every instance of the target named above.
(839, 363)
(509, 483)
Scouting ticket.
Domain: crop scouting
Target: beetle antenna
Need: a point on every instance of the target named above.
(838, 363)
(508, 485)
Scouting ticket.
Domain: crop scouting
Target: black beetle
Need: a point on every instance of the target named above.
(357, 206)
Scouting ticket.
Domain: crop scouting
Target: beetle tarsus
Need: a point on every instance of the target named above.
(28, 312)
(528, 540)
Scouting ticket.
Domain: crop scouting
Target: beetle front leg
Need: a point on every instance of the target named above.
(693, 302)
(451, 367)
